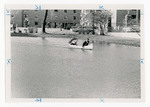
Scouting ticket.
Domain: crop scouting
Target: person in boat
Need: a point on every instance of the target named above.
(73, 41)
(86, 42)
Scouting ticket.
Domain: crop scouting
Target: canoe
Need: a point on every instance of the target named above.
(89, 47)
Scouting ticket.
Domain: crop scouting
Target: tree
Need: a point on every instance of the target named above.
(101, 17)
(44, 21)
(98, 18)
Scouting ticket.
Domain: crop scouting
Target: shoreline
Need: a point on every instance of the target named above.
(94, 38)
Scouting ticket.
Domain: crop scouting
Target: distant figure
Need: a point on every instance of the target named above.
(61, 26)
(86, 42)
(26, 22)
(73, 41)
(14, 27)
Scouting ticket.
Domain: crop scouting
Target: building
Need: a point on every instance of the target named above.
(55, 18)
(68, 18)
(125, 18)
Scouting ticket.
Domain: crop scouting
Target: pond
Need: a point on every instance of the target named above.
(48, 68)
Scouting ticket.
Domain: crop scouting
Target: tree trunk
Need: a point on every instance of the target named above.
(44, 21)
(101, 30)
(93, 31)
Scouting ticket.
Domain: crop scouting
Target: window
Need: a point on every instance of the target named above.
(74, 17)
(133, 10)
(74, 11)
(36, 16)
(133, 16)
(55, 10)
(36, 23)
(26, 15)
(65, 17)
(65, 11)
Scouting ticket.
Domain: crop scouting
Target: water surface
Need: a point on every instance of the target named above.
(48, 68)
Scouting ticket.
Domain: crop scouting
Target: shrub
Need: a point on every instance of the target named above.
(68, 27)
(30, 29)
(135, 28)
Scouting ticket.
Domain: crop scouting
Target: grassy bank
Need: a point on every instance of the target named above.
(95, 38)
(118, 40)
(23, 35)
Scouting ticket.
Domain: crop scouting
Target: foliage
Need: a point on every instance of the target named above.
(82, 29)
(68, 27)
(98, 17)
(133, 22)
(102, 16)
(30, 29)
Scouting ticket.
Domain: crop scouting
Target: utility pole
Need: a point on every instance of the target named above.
(44, 21)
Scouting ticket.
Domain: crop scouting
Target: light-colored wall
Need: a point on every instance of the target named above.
(16, 17)
(113, 18)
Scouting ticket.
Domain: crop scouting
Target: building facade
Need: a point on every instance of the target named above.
(55, 18)
(127, 18)
(68, 18)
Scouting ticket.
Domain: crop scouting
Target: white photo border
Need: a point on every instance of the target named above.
(9, 7)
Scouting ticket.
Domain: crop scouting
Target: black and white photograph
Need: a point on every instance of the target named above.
(76, 53)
